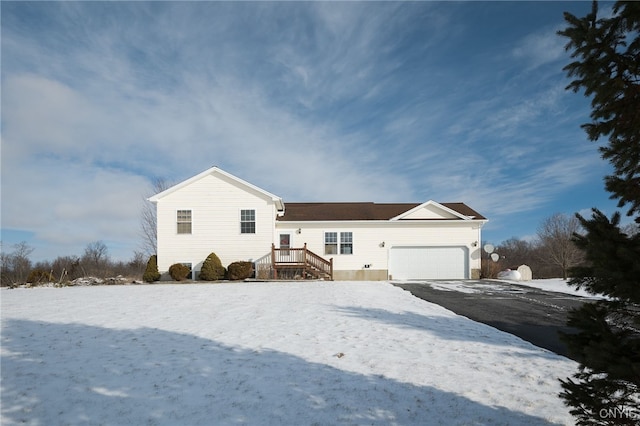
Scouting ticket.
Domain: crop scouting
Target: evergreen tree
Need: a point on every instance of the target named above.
(608, 69)
(151, 273)
(606, 389)
(212, 269)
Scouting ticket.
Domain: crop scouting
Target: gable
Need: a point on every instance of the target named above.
(432, 210)
(212, 178)
(429, 212)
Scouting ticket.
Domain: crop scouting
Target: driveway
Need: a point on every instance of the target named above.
(531, 314)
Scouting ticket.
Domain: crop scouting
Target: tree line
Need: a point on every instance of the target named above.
(552, 253)
(16, 266)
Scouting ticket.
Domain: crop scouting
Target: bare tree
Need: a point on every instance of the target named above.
(15, 266)
(95, 259)
(148, 218)
(516, 252)
(557, 248)
(63, 268)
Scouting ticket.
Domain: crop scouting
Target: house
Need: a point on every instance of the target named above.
(215, 211)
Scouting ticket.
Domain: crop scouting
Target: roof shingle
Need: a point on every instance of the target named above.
(302, 212)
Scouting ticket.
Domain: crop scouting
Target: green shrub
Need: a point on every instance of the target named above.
(240, 270)
(178, 271)
(151, 273)
(212, 269)
(38, 276)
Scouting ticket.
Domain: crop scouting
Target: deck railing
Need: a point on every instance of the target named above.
(294, 260)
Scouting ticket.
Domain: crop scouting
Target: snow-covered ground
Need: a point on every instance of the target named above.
(290, 353)
(557, 285)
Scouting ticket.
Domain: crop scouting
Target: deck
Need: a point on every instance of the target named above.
(293, 263)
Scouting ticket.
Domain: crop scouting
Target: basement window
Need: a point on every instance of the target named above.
(190, 266)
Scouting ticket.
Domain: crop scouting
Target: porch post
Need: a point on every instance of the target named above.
(305, 261)
(273, 261)
(331, 266)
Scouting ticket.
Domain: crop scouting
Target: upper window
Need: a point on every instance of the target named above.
(184, 221)
(247, 221)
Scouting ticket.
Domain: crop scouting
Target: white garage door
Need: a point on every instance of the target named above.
(411, 263)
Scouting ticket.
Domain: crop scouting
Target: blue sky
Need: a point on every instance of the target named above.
(312, 101)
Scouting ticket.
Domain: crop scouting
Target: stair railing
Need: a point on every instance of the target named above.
(303, 257)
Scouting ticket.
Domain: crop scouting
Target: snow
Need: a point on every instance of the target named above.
(295, 353)
(557, 285)
(460, 286)
(509, 275)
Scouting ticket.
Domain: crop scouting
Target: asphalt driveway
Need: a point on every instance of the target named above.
(531, 314)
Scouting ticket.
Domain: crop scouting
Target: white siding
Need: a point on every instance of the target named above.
(430, 211)
(368, 239)
(215, 202)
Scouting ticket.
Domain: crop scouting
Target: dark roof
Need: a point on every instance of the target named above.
(464, 209)
(300, 212)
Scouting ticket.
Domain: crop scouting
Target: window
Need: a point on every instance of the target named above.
(334, 246)
(190, 274)
(330, 243)
(184, 221)
(346, 243)
(247, 221)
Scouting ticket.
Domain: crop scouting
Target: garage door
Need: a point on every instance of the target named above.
(411, 263)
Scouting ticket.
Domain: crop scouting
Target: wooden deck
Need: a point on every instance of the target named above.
(293, 263)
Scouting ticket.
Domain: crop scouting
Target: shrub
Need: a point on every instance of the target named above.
(212, 269)
(151, 273)
(240, 270)
(178, 271)
(40, 276)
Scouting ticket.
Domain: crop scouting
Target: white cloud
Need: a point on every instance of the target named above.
(291, 155)
(46, 115)
(69, 205)
(509, 120)
(541, 48)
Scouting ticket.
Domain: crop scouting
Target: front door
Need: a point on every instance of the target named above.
(285, 244)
